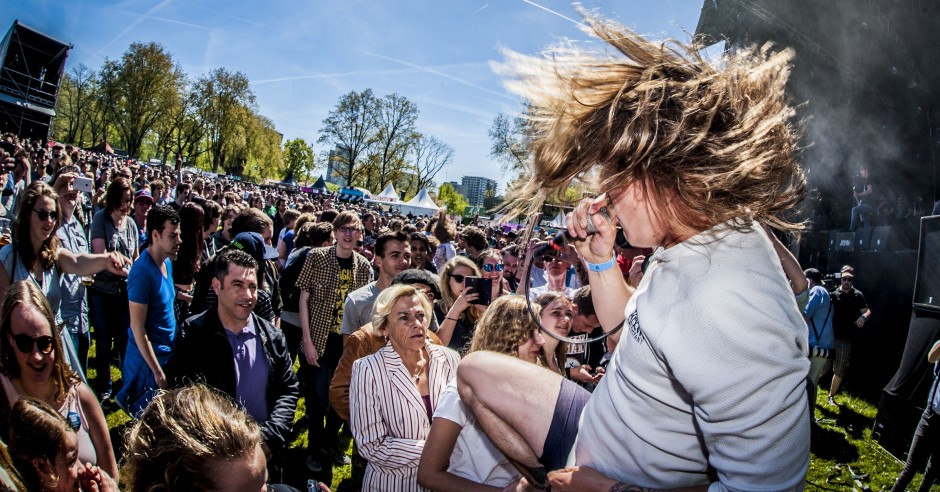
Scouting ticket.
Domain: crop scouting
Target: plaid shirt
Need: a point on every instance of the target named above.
(320, 277)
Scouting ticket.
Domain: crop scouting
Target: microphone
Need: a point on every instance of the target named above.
(563, 238)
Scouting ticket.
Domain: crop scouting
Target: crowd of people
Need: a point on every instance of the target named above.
(660, 342)
(179, 280)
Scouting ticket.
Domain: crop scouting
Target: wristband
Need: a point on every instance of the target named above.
(602, 267)
(452, 319)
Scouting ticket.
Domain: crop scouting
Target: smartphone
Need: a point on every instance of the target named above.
(482, 286)
(84, 184)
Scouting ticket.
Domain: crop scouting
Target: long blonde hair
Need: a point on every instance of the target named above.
(712, 144)
(182, 435)
(505, 326)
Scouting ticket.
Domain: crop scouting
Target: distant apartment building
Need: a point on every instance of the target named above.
(459, 188)
(475, 187)
(337, 167)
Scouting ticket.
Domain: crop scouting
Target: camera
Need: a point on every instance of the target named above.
(481, 286)
(822, 353)
(833, 279)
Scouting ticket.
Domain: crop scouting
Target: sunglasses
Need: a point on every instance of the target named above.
(24, 343)
(458, 278)
(550, 258)
(489, 268)
(45, 215)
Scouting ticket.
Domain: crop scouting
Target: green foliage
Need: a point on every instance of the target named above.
(226, 108)
(137, 90)
(76, 106)
(455, 202)
(298, 159)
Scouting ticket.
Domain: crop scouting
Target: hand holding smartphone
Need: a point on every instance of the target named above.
(481, 286)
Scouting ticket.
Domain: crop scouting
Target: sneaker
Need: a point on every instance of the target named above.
(336, 456)
(832, 402)
(313, 463)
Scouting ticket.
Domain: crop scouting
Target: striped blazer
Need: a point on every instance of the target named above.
(388, 418)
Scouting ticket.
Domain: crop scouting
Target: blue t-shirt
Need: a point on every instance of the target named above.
(818, 314)
(147, 285)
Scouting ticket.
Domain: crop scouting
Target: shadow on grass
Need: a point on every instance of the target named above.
(831, 445)
(846, 417)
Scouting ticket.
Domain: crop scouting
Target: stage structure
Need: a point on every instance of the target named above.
(866, 84)
(31, 66)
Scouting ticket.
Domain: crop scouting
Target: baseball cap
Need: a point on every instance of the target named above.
(253, 244)
(143, 194)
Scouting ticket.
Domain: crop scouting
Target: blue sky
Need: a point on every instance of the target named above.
(302, 56)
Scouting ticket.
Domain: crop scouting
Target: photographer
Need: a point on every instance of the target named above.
(849, 312)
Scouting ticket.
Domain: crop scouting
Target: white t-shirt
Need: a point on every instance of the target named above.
(475, 457)
(710, 371)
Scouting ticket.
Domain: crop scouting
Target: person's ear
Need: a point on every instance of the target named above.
(216, 286)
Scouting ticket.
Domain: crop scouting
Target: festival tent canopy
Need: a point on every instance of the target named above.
(559, 221)
(421, 204)
(388, 196)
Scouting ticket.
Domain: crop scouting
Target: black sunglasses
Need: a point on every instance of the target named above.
(44, 215)
(24, 343)
(458, 278)
(550, 258)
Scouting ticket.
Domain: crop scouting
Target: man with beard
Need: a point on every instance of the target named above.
(239, 353)
(150, 292)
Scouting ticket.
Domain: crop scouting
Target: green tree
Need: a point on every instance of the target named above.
(351, 129)
(510, 142)
(226, 104)
(455, 202)
(140, 88)
(180, 131)
(75, 105)
(298, 159)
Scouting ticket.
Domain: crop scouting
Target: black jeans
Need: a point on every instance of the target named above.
(315, 385)
(294, 338)
(924, 447)
(110, 319)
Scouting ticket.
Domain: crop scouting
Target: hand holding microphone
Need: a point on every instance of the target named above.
(591, 229)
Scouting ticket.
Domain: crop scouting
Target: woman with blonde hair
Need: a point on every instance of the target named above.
(32, 365)
(393, 392)
(195, 438)
(456, 313)
(691, 157)
(458, 456)
(555, 313)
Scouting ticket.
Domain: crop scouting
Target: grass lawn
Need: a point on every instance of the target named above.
(844, 456)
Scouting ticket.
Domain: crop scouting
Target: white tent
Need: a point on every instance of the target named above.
(559, 221)
(421, 204)
(388, 196)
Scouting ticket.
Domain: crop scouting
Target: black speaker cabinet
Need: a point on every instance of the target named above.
(927, 282)
(863, 239)
(845, 241)
(883, 239)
